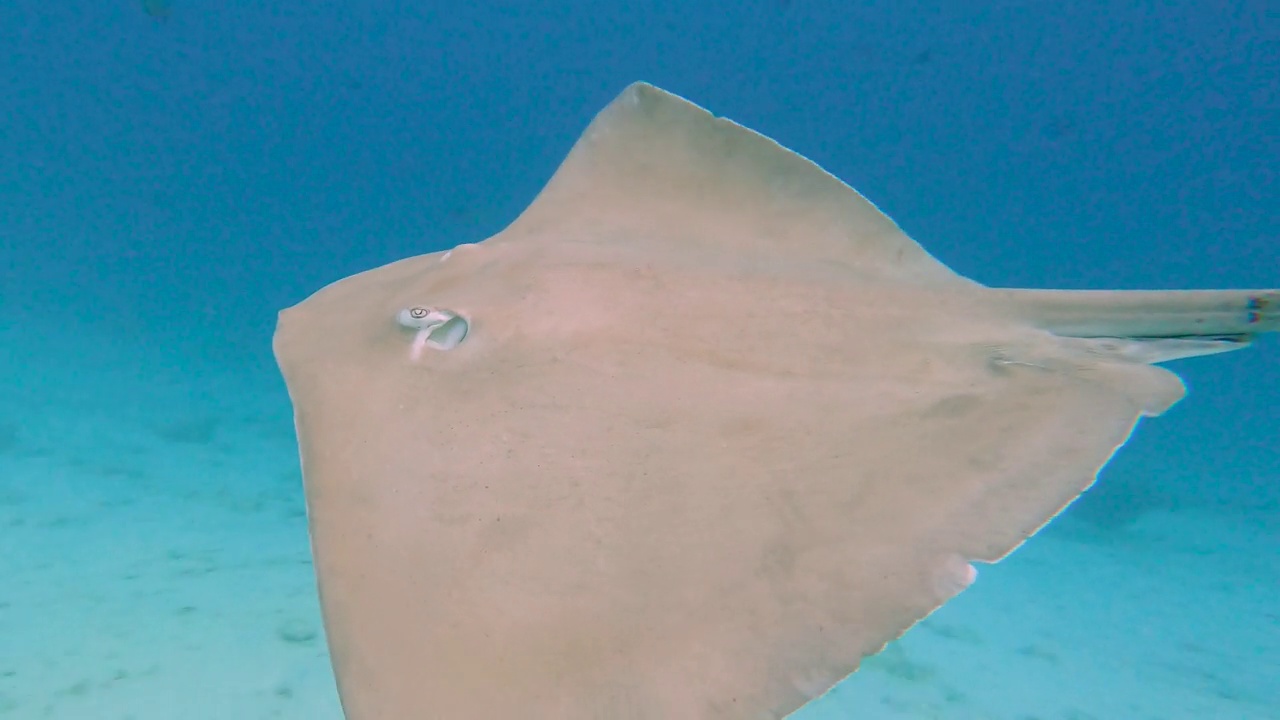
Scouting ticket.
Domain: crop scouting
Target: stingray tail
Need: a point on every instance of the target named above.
(1157, 325)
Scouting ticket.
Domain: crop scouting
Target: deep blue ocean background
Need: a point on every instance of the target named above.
(173, 174)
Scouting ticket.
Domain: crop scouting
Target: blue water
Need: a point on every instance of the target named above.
(174, 173)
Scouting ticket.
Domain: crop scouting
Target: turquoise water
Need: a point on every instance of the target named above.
(172, 174)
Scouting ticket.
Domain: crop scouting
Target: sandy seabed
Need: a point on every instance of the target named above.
(154, 565)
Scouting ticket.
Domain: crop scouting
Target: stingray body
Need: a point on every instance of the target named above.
(694, 435)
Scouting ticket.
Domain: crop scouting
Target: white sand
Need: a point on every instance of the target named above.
(154, 566)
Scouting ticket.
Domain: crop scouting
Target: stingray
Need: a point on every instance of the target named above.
(694, 435)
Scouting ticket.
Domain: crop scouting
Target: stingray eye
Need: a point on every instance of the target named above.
(420, 317)
(437, 328)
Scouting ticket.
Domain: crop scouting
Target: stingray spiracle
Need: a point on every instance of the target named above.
(435, 328)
